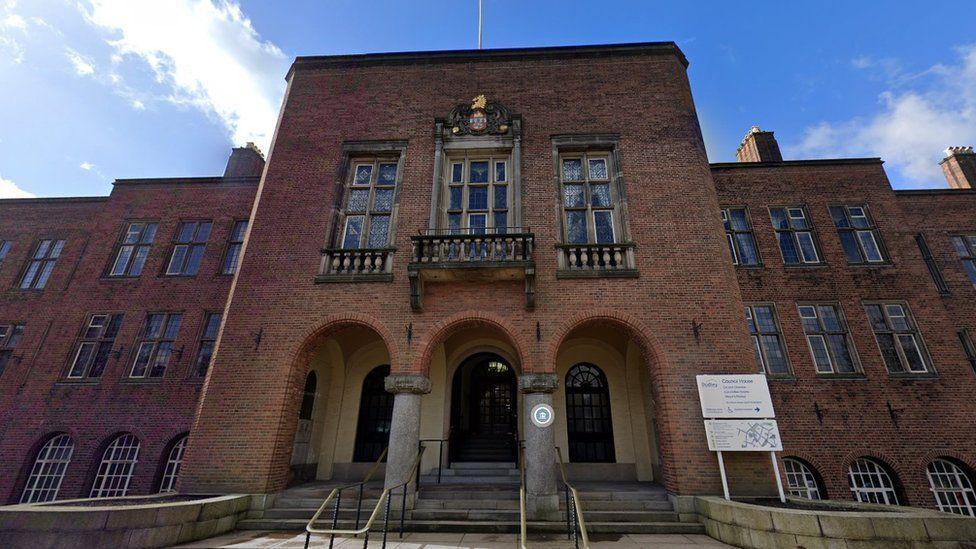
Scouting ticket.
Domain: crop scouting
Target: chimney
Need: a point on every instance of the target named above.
(246, 161)
(959, 167)
(758, 146)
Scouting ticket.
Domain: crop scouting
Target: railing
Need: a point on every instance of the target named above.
(596, 257)
(522, 527)
(574, 510)
(462, 246)
(440, 453)
(385, 496)
(356, 261)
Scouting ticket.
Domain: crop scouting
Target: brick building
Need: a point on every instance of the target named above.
(424, 266)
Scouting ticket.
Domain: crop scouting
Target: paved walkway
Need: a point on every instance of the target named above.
(267, 539)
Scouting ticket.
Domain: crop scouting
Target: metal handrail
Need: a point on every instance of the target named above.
(577, 522)
(522, 527)
(337, 493)
(440, 453)
(385, 495)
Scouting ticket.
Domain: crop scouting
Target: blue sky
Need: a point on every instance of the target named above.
(92, 90)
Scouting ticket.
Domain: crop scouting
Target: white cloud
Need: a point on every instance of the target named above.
(9, 189)
(83, 65)
(206, 53)
(918, 117)
(87, 166)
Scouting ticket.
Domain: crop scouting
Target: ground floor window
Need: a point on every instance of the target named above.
(172, 470)
(871, 482)
(588, 422)
(115, 470)
(48, 470)
(800, 479)
(952, 487)
(375, 416)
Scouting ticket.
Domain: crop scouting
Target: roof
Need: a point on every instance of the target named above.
(502, 54)
(791, 163)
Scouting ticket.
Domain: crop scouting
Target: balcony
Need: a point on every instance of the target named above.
(356, 265)
(456, 255)
(596, 260)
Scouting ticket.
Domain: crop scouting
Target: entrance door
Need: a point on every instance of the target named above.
(483, 410)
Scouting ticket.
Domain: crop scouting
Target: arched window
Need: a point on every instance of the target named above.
(171, 471)
(588, 421)
(375, 416)
(48, 471)
(871, 483)
(115, 470)
(308, 397)
(801, 480)
(952, 487)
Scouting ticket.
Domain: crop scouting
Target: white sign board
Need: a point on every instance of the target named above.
(734, 396)
(743, 435)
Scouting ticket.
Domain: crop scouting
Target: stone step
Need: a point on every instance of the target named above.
(471, 471)
(307, 503)
(484, 527)
(504, 515)
(483, 465)
(508, 480)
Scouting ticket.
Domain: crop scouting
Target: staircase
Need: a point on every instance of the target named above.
(480, 448)
(482, 497)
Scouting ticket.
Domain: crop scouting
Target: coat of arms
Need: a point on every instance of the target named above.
(479, 117)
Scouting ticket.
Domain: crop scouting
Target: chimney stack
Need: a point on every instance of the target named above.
(246, 161)
(758, 146)
(959, 167)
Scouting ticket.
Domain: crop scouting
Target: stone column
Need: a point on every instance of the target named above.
(404, 431)
(541, 496)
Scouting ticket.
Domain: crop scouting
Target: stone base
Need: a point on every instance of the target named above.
(543, 508)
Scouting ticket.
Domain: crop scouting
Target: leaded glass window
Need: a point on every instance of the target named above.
(589, 201)
(208, 340)
(10, 336)
(41, 264)
(871, 483)
(116, 468)
(801, 480)
(588, 421)
(48, 470)
(235, 243)
(767, 340)
(828, 338)
(369, 201)
(95, 346)
(794, 233)
(952, 488)
(479, 195)
(966, 248)
(188, 247)
(375, 416)
(738, 232)
(858, 235)
(898, 338)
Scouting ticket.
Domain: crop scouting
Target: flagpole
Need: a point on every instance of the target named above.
(480, 11)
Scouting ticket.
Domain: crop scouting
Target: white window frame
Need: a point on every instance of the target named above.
(41, 264)
(466, 213)
(142, 243)
(155, 344)
(180, 269)
(951, 487)
(730, 234)
(821, 335)
(171, 471)
(115, 471)
(912, 332)
(99, 322)
(757, 338)
(869, 230)
(235, 245)
(801, 480)
(795, 231)
(882, 486)
(47, 472)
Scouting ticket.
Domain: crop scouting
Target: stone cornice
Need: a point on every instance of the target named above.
(538, 383)
(412, 384)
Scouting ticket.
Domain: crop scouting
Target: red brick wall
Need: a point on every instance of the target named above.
(934, 416)
(35, 401)
(643, 98)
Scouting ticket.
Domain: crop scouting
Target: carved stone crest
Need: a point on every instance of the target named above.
(479, 118)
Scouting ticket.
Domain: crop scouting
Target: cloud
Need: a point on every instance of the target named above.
(83, 65)
(13, 28)
(206, 55)
(9, 189)
(918, 116)
(87, 166)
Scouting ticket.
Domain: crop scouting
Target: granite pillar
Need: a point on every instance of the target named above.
(541, 496)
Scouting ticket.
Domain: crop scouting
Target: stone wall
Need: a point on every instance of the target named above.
(110, 526)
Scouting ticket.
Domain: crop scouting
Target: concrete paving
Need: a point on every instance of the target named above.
(277, 539)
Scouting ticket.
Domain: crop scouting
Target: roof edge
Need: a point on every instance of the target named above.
(789, 163)
(499, 54)
(933, 192)
(216, 179)
(53, 199)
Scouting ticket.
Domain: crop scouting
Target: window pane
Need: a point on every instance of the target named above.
(213, 325)
(500, 174)
(898, 317)
(172, 326)
(230, 259)
(479, 172)
(886, 342)
(477, 198)
(807, 248)
(139, 261)
(41, 281)
(457, 172)
(387, 174)
(775, 357)
(379, 227)
(960, 245)
(912, 353)
(821, 358)
(798, 219)
(177, 260)
(970, 270)
(839, 217)
(142, 359)
(747, 249)
(115, 322)
(163, 354)
(501, 222)
(735, 257)
(788, 247)
(764, 319)
(841, 354)
(778, 216)
(149, 233)
(383, 201)
(84, 354)
(122, 261)
(876, 317)
(357, 200)
(363, 174)
(477, 223)
(573, 170)
(154, 326)
(354, 229)
(600, 196)
(456, 193)
(29, 274)
(501, 197)
(132, 233)
(830, 318)
(603, 222)
(851, 249)
(598, 168)
(759, 360)
(194, 259)
(454, 223)
(574, 196)
(186, 231)
(871, 250)
(859, 218)
(739, 220)
(42, 248)
(576, 227)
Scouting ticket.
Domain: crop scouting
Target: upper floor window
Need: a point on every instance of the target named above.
(41, 264)
(738, 231)
(9, 338)
(966, 248)
(369, 204)
(4, 250)
(589, 202)
(97, 338)
(898, 337)
(133, 250)
(208, 339)
(795, 235)
(478, 195)
(858, 235)
(828, 338)
(232, 257)
(766, 339)
(188, 248)
(156, 348)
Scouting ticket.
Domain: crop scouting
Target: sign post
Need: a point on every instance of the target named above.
(739, 417)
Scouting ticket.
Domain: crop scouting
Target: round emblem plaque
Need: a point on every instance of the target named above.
(542, 415)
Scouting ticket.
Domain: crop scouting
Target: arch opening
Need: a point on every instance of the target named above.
(484, 410)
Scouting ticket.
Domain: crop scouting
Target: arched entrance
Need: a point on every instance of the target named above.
(484, 410)
(589, 424)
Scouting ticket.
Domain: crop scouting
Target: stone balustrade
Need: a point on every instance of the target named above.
(467, 248)
(596, 260)
(343, 264)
